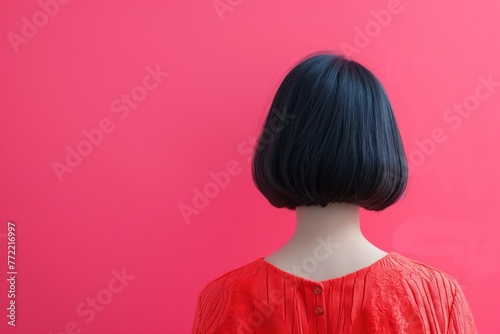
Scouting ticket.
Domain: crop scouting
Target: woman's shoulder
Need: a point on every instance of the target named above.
(413, 269)
(233, 279)
(407, 293)
(225, 300)
(404, 279)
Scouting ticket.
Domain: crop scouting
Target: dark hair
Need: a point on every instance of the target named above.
(330, 136)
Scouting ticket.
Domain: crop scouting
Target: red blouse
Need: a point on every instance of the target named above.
(393, 295)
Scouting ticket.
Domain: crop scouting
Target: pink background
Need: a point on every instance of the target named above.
(119, 207)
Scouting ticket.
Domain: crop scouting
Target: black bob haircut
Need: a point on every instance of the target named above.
(330, 136)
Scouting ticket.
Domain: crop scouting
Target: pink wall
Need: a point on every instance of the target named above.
(156, 96)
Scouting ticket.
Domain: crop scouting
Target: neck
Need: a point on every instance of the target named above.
(337, 222)
(328, 239)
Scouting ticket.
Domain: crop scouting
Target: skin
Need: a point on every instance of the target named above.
(348, 249)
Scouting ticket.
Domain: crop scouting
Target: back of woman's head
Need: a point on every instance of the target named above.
(330, 136)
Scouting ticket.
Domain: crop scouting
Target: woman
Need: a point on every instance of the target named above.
(330, 145)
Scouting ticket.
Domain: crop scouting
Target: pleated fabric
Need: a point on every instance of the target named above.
(393, 295)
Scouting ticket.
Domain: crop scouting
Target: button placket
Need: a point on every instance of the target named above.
(318, 291)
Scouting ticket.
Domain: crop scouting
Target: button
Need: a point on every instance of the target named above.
(317, 290)
(319, 310)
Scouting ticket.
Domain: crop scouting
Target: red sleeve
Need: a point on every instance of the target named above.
(460, 319)
(210, 308)
(231, 307)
